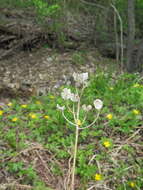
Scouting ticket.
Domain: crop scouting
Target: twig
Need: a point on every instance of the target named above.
(126, 141)
(116, 37)
(67, 179)
(93, 157)
(101, 186)
(44, 164)
(94, 4)
(121, 34)
(5, 186)
(23, 152)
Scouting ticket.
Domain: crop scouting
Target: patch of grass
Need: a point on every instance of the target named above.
(79, 58)
(16, 3)
(36, 142)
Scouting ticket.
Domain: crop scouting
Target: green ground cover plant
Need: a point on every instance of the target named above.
(36, 142)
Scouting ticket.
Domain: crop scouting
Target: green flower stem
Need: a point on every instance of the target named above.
(91, 123)
(76, 144)
(74, 115)
(74, 158)
(67, 119)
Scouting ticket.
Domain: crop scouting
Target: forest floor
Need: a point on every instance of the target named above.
(37, 72)
(36, 143)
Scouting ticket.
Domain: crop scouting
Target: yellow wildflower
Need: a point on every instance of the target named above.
(109, 116)
(46, 117)
(14, 119)
(136, 112)
(98, 177)
(38, 102)
(107, 144)
(111, 88)
(33, 116)
(78, 122)
(52, 97)
(132, 184)
(9, 104)
(24, 106)
(1, 112)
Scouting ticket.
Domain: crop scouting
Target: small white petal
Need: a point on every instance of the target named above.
(66, 94)
(84, 76)
(60, 107)
(98, 104)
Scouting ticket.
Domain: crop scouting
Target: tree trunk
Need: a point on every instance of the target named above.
(131, 36)
(139, 58)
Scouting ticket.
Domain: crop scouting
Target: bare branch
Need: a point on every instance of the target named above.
(94, 4)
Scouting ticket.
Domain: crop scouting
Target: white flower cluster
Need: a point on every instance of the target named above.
(86, 108)
(80, 78)
(98, 104)
(68, 95)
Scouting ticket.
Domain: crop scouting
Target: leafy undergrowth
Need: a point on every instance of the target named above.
(36, 143)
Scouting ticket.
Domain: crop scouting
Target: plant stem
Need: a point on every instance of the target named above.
(74, 159)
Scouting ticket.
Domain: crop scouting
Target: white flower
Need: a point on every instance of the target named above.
(66, 94)
(74, 97)
(98, 104)
(86, 108)
(80, 78)
(60, 107)
(84, 76)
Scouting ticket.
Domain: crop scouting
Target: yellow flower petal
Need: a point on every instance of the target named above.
(109, 116)
(78, 122)
(33, 116)
(14, 119)
(136, 112)
(1, 112)
(52, 97)
(46, 117)
(107, 144)
(132, 184)
(98, 177)
(38, 102)
(24, 106)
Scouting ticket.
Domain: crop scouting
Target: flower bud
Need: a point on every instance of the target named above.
(86, 108)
